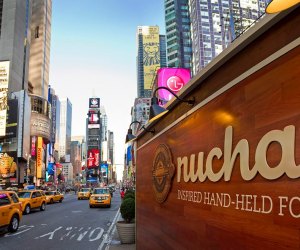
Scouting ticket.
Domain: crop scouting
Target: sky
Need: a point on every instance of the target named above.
(93, 54)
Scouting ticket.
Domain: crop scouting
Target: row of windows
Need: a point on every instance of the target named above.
(169, 4)
(40, 106)
(171, 28)
(169, 10)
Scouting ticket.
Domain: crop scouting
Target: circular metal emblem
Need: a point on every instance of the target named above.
(163, 171)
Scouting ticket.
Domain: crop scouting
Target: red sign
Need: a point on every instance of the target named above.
(93, 159)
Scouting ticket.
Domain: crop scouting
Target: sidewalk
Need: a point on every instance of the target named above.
(115, 242)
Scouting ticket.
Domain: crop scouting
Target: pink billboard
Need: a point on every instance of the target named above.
(172, 78)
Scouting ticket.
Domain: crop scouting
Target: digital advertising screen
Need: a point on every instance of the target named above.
(93, 159)
(94, 103)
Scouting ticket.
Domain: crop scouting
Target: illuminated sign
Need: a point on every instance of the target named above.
(94, 103)
(94, 119)
(8, 165)
(4, 78)
(53, 111)
(104, 170)
(93, 159)
(39, 157)
(173, 79)
(151, 54)
(33, 145)
(12, 119)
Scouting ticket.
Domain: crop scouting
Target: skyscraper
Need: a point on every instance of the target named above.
(216, 23)
(14, 38)
(151, 55)
(103, 121)
(65, 129)
(179, 47)
(40, 46)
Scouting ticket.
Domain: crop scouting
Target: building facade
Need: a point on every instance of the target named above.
(215, 24)
(17, 50)
(178, 34)
(15, 17)
(93, 141)
(39, 62)
(75, 156)
(65, 129)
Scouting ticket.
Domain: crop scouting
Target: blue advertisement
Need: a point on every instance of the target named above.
(92, 175)
(50, 168)
(104, 169)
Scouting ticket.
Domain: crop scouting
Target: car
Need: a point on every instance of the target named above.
(53, 196)
(10, 210)
(84, 193)
(100, 197)
(32, 199)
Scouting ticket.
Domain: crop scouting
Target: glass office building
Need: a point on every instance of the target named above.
(216, 23)
(179, 47)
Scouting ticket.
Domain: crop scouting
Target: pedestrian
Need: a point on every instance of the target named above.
(122, 193)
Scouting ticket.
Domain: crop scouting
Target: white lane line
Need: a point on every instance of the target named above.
(107, 235)
(19, 231)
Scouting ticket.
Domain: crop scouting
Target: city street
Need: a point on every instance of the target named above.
(71, 224)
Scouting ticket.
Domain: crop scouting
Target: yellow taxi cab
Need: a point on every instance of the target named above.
(84, 193)
(32, 199)
(100, 197)
(10, 210)
(53, 196)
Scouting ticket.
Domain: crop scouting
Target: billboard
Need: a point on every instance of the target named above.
(104, 169)
(94, 103)
(8, 166)
(93, 158)
(94, 119)
(4, 78)
(39, 157)
(173, 79)
(12, 119)
(53, 123)
(151, 54)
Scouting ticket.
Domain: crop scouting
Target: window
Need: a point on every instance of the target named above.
(14, 198)
(36, 32)
(4, 200)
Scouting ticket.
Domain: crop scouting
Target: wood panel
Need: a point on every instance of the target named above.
(267, 100)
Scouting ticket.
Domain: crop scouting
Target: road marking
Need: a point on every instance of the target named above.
(80, 237)
(50, 233)
(97, 236)
(19, 232)
(107, 237)
(76, 211)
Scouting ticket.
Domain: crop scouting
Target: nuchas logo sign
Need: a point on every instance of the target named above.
(198, 168)
(163, 171)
